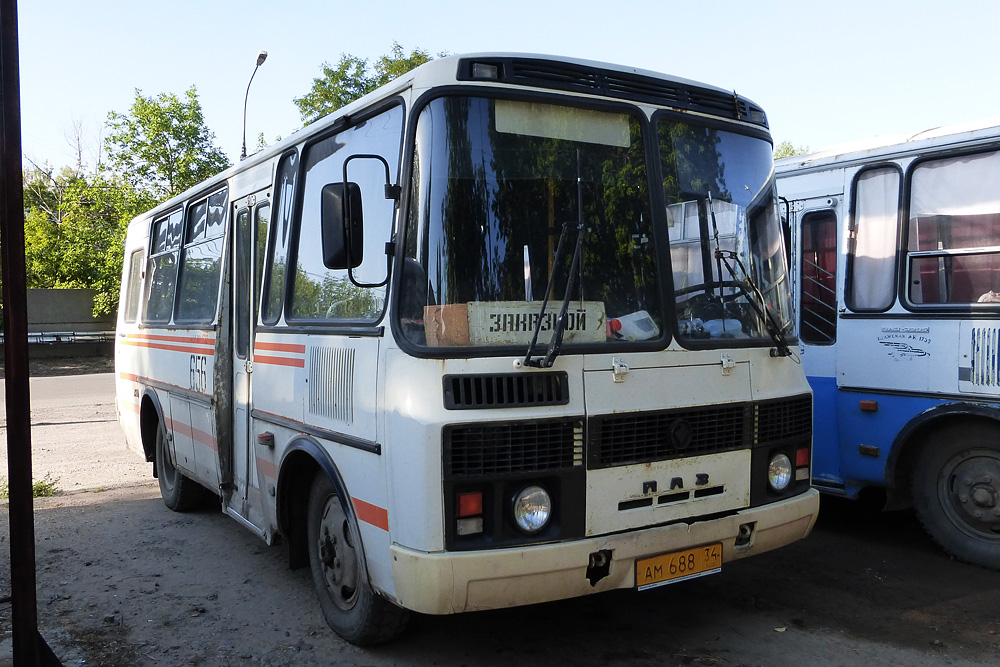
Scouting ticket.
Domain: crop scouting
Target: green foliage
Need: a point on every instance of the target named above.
(785, 149)
(43, 488)
(352, 78)
(162, 144)
(75, 222)
(74, 229)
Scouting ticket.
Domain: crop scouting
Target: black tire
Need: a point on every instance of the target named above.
(956, 492)
(180, 493)
(351, 607)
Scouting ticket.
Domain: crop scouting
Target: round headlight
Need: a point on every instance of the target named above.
(532, 509)
(779, 472)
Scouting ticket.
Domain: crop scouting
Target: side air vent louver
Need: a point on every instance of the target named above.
(579, 78)
(505, 390)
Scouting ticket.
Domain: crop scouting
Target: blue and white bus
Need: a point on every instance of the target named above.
(896, 264)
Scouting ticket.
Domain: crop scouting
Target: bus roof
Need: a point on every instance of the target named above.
(554, 73)
(884, 146)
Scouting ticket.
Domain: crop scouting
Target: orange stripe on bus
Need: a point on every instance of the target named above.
(268, 468)
(131, 377)
(193, 340)
(279, 361)
(197, 435)
(372, 514)
(208, 351)
(280, 347)
(129, 405)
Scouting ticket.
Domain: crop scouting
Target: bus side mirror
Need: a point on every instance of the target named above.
(342, 224)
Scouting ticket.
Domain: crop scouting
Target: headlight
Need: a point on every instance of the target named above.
(532, 509)
(779, 472)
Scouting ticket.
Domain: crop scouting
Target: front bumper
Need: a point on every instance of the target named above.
(449, 582)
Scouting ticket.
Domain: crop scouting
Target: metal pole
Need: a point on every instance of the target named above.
(29, 647)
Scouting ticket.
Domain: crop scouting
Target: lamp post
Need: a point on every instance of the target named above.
(261, 57)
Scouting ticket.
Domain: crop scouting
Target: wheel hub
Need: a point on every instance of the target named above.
(975, 493)
(337, 556)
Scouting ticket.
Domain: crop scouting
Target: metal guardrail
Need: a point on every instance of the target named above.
(68, 337)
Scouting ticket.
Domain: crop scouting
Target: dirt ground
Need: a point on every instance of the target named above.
(123, 581)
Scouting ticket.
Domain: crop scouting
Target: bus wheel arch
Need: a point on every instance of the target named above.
(179, 492)
(317, 517)
(150, 423)
(954, 482)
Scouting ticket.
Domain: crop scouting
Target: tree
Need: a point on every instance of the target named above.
(74, 229)
(353, 78)
(162, 145)
(785, 149)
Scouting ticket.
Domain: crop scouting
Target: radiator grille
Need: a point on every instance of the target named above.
(505, 390)
(497, 448)
(643, 437)
(783, 420)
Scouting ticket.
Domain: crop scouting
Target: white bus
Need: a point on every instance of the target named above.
(896, 247)
(510, 329)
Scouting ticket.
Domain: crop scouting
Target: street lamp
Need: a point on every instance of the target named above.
(261, 57)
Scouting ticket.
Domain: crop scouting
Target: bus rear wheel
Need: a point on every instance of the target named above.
(956, 492)
(351, 607)
(180, 493)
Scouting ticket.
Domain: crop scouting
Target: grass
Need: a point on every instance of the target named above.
(43, 488)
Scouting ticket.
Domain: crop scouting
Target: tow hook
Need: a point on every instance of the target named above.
(744, 540)
(598, 566)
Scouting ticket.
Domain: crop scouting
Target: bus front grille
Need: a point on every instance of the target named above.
(505, 390)
(787, 419)
(643, 437)
(624, 439)
(498, 448)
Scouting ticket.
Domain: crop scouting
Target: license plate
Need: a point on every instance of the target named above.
(678, 566)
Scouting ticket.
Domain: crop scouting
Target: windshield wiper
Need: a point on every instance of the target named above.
(555, 345)
(749, 288)
(560, 325)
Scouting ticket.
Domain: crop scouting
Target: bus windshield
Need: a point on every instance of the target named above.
(520, 210)
(726, 248)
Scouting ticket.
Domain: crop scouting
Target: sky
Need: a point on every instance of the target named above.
(826, 73)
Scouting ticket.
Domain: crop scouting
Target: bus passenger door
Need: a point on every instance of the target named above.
(815, 264)
(252, 214)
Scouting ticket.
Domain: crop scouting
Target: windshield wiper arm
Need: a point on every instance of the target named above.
(749, 287)
(560, 325)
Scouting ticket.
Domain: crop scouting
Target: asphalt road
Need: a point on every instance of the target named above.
(124, 581)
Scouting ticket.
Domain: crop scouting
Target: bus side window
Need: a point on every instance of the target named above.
(319, 293)
(132, 287)
(161, 272)
(277, 259)
(954, 225)
(872, 263)
(818, 307)
(198, 286)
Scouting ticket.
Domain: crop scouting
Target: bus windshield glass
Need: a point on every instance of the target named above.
(726, 246)
(521, 210)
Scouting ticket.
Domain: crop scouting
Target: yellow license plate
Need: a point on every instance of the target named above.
(678, 566)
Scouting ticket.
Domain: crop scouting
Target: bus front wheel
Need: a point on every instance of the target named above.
(180, 493)
(956, 492)
(351, 607)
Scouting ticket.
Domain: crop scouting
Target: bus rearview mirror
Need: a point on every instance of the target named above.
(343, 227)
